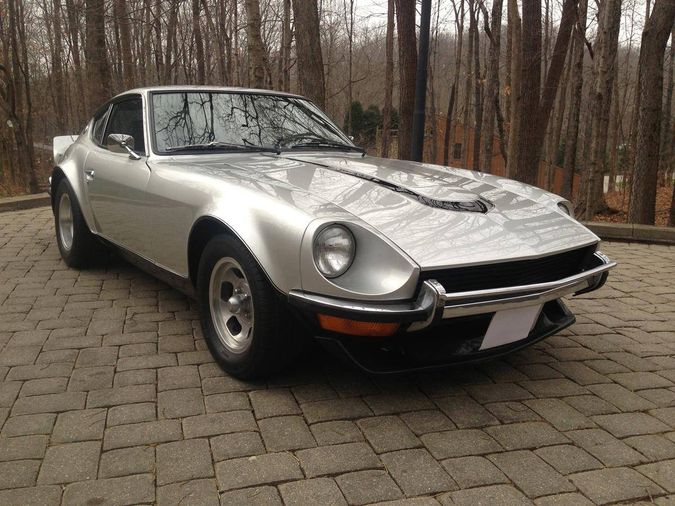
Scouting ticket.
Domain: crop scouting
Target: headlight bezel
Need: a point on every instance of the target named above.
(318, 248)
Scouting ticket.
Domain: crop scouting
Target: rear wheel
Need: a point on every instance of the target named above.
(242, 317)
(77, 245)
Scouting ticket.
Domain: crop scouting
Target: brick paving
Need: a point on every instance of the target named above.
(108, 395)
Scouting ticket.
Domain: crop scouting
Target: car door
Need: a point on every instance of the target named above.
(116, 182)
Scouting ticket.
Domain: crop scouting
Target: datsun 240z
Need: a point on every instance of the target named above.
(256, 204)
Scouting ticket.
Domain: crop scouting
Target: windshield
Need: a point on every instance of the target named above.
(224, 119)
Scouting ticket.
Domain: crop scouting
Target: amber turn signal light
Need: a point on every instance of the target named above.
(356, 328)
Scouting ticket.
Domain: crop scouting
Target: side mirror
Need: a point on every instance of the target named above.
(122, 143)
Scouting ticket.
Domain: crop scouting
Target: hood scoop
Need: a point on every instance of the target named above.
(478, 205)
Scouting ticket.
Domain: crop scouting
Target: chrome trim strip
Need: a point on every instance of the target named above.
(423, 308)
(433, 303)
(465, 303)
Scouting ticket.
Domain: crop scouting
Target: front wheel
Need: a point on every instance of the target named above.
(242, 316)
(77, 245)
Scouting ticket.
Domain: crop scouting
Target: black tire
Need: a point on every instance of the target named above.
(84, 248)
(271, 345)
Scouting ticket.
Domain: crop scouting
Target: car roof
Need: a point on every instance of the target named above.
(206, 88)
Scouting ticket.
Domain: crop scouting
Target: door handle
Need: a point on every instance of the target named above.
(89, 175)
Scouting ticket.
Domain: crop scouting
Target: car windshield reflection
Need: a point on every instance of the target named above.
(211, 121)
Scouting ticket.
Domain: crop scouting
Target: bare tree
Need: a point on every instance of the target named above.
(15, 95)
(654, 39)
(576, 85)
(256, 50)
(308, 47)
(604, 72)
(286, 38)
(667, 131)
(199, 42)
(536, 108)
(388, 80)
(122, 17)
(515, 31)
(407, 65)
(98, 67)
(477, 91)
(349, 22)
(57, 68)
(468, 88)
(492, 84)
(74, 39)
(452, 96)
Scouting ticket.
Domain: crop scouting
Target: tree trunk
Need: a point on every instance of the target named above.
(199, 43)
(73, 32)
(388, 81)
(452, 96)
(57, 69)
(407, 64)
(613, 140)
(146, 47)
(654, 39)
(468, 86)
(515, 29)
(308, 48)
(170, 40)
(526, 166)
(256, 50)
(555, 131)
(667, 132)
(289, 40)
(492, 86)
(601, 101)
(478, 93)
(226, 34)
(576, 85)
(125, 38)
(98, 68)
(534, 109)
(350, 64)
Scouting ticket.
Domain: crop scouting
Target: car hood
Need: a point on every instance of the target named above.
(436, 215)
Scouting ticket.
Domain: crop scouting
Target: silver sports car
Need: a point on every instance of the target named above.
(256, 204)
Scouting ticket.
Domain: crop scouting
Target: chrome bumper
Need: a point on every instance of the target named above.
(434, 303)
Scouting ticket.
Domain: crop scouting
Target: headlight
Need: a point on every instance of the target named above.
(566, 208)
(334, 248)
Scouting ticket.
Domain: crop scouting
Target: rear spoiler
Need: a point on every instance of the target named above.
(61, 145)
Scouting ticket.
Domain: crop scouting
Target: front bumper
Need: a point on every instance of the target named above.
(468, 312)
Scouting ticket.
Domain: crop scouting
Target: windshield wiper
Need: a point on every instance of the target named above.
(313, 140)
(330, 145)
(223, 146)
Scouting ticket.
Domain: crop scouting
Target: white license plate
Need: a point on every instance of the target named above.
(510, 325)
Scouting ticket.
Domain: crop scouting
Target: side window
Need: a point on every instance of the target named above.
(99, 125)
(127, 118)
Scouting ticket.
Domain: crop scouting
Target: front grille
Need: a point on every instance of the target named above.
(520, 272)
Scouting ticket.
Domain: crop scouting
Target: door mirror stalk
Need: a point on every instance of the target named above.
(122, 143)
